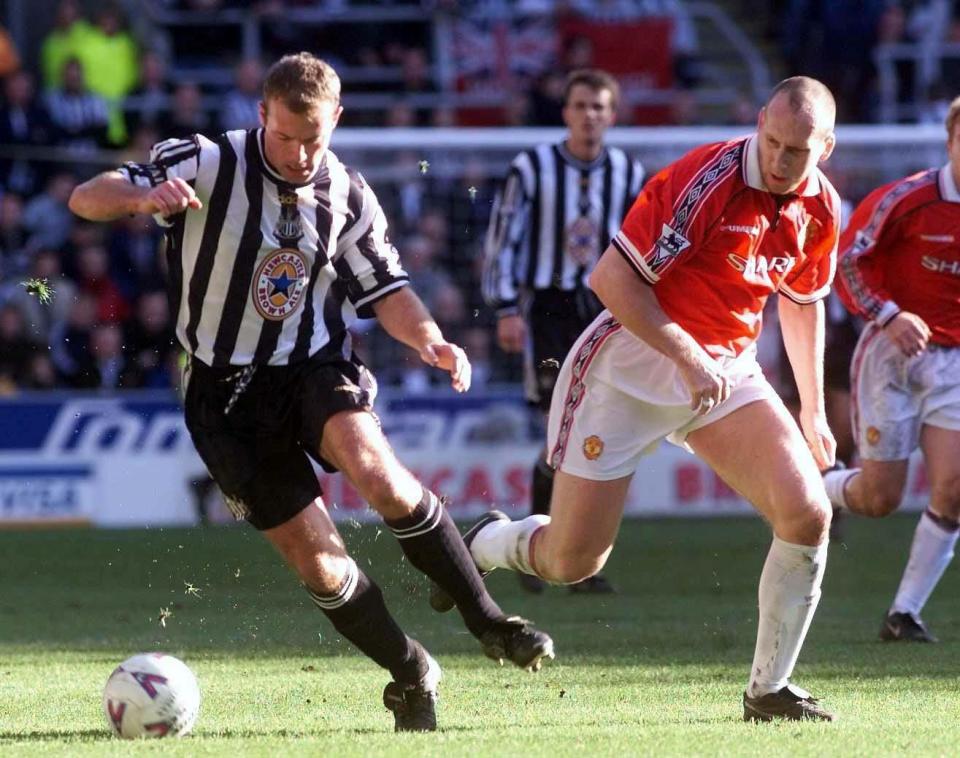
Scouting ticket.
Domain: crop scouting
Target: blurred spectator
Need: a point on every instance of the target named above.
(416, 77)
(476, 342)
(134, 247)
(150, 339)
(93, 275)
(577, 54)
(187, 115)
(400, 115)
(241, 105)
(46, 216)
(41, 374)
(684, 108)
(111, 65)
(517, 111)
(743, 111)
(834, 41)
(9, 57)
(65, 41)
(69, 339)
(420, 259)
(80, 116)
(151, 98)
(13, 236)
(546, 99)
(24, 121)
(107, 366)
(16, 347)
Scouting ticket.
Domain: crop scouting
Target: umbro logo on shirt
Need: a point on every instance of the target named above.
(753, 231)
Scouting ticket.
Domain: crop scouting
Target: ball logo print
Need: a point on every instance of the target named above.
(151, 695)
(279, 284)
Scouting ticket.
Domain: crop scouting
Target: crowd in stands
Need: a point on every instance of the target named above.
(100, 86)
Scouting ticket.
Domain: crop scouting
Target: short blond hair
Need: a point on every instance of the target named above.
(301, 82)
(953, 113)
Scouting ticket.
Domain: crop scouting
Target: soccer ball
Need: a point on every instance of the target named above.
(151, 695)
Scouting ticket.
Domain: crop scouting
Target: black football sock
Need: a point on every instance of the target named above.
(542, 488)
(432, 544)
(358, 612)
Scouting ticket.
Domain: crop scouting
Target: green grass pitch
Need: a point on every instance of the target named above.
(656, 670)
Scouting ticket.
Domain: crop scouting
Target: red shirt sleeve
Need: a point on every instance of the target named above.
(860, 281)
(666, 221)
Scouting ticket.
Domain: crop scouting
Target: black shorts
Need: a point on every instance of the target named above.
(555, 319)
(255, 427)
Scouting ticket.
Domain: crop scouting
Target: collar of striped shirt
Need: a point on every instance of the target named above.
(576, 162)
(275, 176)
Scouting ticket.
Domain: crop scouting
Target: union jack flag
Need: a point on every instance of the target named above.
(490, 52)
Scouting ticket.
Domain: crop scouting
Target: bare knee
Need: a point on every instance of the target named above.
(805, 525)
(324, 573)
(878, 500)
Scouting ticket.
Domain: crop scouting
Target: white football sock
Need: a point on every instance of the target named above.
(835, 483)
(930, 555)
(506, 544)
(789, 593)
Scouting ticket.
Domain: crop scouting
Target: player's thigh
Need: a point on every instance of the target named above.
(354, 443)
(313, 548)
(941, 453)
(585, 516)
(759, 451)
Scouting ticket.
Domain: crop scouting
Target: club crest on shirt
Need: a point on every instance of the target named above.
(873, 435)
(288, 225)
(279, 283)
(582, 240)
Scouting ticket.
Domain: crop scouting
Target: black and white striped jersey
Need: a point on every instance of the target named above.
(553, 219)
(268, 272)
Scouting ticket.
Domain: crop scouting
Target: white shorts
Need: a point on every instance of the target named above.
(893, 396)
(617, 398)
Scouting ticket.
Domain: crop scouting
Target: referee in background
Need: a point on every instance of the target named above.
(274, 249)
(559, 208)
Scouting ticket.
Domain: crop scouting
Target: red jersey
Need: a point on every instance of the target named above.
(714, 244)
(901, 251)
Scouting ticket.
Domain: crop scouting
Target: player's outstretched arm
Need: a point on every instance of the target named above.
(110, 196)
(803, 328)
(634, 304)
(407, 320)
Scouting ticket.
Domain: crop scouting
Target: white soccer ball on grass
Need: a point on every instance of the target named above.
(151, 695)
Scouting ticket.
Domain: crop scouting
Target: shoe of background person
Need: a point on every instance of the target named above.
(905, 627)
(414, 706)
(515, 639)
(530, 583)
(597, 584)
(791, 703)
(440, 599)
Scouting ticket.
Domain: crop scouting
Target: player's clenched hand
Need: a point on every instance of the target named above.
(450, 358)
(707, 382)
(511, 333)
(819, 438)
(909, 332)
(170, 198)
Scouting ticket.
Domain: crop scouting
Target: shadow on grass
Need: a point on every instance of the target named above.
(57, 735)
